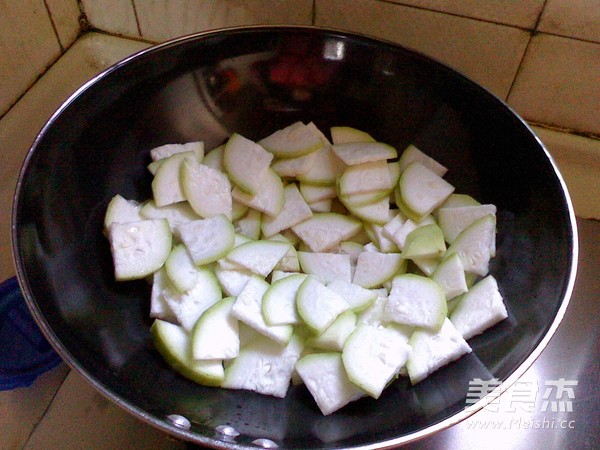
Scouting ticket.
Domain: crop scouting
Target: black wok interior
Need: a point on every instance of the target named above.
(98, 146)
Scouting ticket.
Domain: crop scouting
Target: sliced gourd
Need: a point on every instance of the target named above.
(479, 309)
(399, 234)
(139, 248)
(326, 267)
(294, 167)
(455, 200)
(475, 245)
(232, 280)
(207, 190)
(214, 158)
(166, 184)
(164, 151)
(294, 211)
(259, 257)
(173, 343)
(357, 297)
(246, 163)
(318, 305)
(159, 308)
(377, 212)
(325, 377)
(375, 268)
(248, 309)
(289, 262)
(353, 153)
(293, 141)
(249, 224)
(416, 301)
(365, 178)
(180, 269)
(426, 241)
(344, 135)
(188, 306)
(215, 335)
(454, 220)
(207, 240)
(335, 335)
(394, 170)
(450, 275)
(238, 210)
(373, 356)
(427, 265)
(421, 190)
(326, 168)
(434, 349)
(380, 239)
(323, 206)
(279, 301)
(269, 197)
(412, 154)
(120, 210)
(176, 214)
(264, 366)
(315, 193)
(326, 230)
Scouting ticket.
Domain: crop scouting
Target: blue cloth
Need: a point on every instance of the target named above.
(24, 351)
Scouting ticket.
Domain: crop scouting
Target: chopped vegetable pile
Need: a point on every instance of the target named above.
(338, 264)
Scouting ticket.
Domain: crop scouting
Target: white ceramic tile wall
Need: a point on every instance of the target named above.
(559, 83)
(18, 128)
(65, 16)
(21, 409)
(552, 79)
(573, 18)
(165, 19)
(113, 16)
(24, 54)
(81, 418)
(486, 52)
(520, 13)
(485, 40)
(578, 159)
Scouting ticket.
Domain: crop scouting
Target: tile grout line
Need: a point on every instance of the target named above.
(34, 82)
(565, 36)
(462, 16)
(124, 36)
(83, 23)
(563, 130)
(34, 429)
(88, 28)
(82, 33)
(54, 27)
(137, 19)
(533, 32)
(532, 29)
(519, 67)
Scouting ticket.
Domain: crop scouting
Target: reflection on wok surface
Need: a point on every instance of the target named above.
(254, 81)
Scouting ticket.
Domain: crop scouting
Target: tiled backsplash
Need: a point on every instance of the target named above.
(487, 52)
(541, 56)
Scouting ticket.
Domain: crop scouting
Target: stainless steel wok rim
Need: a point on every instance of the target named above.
(163, 423)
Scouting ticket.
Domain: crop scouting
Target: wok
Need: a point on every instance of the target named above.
(254, 81)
